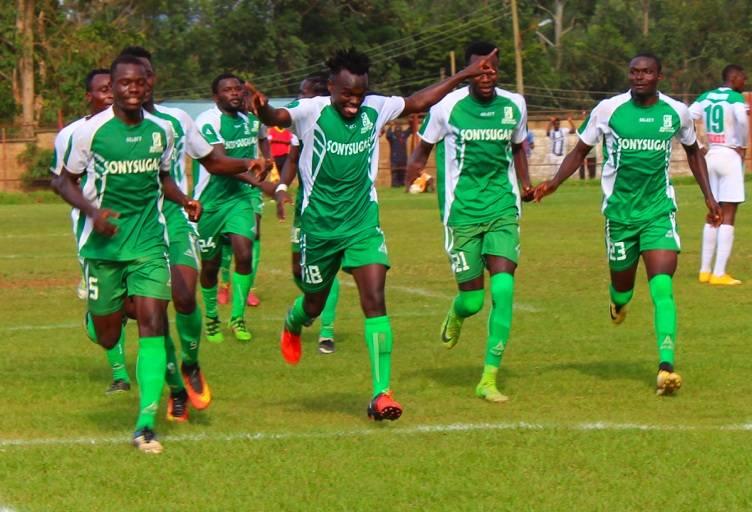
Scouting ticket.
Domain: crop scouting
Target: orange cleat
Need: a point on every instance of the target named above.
(195, 385)
(177, 407)
(290, 346)
(384, 407)
(253, 300)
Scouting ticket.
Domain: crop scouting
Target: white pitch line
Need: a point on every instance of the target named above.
(409, 431)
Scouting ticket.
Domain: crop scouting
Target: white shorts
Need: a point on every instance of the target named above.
(726, 174)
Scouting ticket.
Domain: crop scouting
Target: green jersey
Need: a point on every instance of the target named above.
(338, 163)
(637, 154)
(724, 114)
(122, 165)
(239, 135)
(476, 178)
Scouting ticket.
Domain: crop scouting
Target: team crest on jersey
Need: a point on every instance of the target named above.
(156, 143)
(508, 116)
(246, 130)
(668, 124)
(367, 124)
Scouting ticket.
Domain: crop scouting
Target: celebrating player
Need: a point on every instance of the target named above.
(127, 155)
(723, 112)
(314, 85)
(182, 249)
(339, 212)
(638, 202)
(481, 129)
(228, 205)
(98, 97)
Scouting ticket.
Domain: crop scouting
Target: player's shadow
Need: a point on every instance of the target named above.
(454, 376)
(607, 370)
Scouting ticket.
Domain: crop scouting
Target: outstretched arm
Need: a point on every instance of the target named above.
(699, 169)
(269, 115)
(424, 99)
(523, 174)
(417, 162)
(571, 163)
(217, 162)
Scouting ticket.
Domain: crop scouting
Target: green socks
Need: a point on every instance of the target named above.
(297, 318)
(500, 318)
(468, 303)
(210, 301)
(150, 370)
(255, 258)
(378, 333)
(172, 376)
(225, 262)
(330, 309)
(189, 330)
(116, 358)
(241, 285)
(620, 298)
(665, 316)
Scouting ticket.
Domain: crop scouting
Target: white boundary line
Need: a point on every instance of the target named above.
(598, 426)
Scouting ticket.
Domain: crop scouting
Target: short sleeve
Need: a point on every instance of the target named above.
(304, 113)
(294, 141)
(166, 162)
(263, 132)
(695, 110)
(687, 134)
(742, 123)
(209, 129)
(391, 108)
(58, 153)
(78, 155)
(520, 132)
(196, 146)
(590, 131)
(434, 126)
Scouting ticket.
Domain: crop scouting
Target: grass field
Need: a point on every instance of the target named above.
(582, 431)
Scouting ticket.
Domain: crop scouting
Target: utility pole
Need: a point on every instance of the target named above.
(25, 65)
(452, 62)
(517, 47)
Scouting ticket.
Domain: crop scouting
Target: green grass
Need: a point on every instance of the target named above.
(297, 438)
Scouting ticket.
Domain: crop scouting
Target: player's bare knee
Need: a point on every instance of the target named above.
(184, 303)
(373, 304)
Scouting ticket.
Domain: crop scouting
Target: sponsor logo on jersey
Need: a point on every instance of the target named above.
(644, 144)
(487, 113)
(239, 143)
(133, 139)
(716, 138)
(485, 134)
(367, 124)
(647, 120)
(668, 124)
(348, 149)
(132, 166)
(156, 143)
(720, 96)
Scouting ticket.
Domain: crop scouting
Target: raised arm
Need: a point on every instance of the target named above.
(424, 99)
(699, 169)
(268, 115)
(417, 162)
(571, 163)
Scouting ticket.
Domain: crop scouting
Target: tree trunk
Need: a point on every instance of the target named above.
(645, 17)
(25, 27)
(558, 30)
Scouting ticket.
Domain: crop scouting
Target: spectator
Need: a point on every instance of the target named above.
(279, 138)
(397, 137)
(529, 144)
(558, 142)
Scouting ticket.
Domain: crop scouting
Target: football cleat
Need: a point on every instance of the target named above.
(177, 407)
(214, 330)
(725, 279)
(146, 441)
(198, 390)
(618, 313)
(450, 329)
(118, 386)
(384, 407)
(487, 391)
(290, 346)
(667, 382)
(253, 300)
(239, 329)
(326, 346)
(704, 277)
(223, 294)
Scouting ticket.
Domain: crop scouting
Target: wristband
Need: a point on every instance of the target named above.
(280, 188)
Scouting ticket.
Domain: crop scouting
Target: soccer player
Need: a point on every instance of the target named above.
(183, 256)
(723, 112)
(98, 97)
(638, 202)
(126, 154)
(228, 205)
(314, 85)
(339, 213)
(480, 129)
